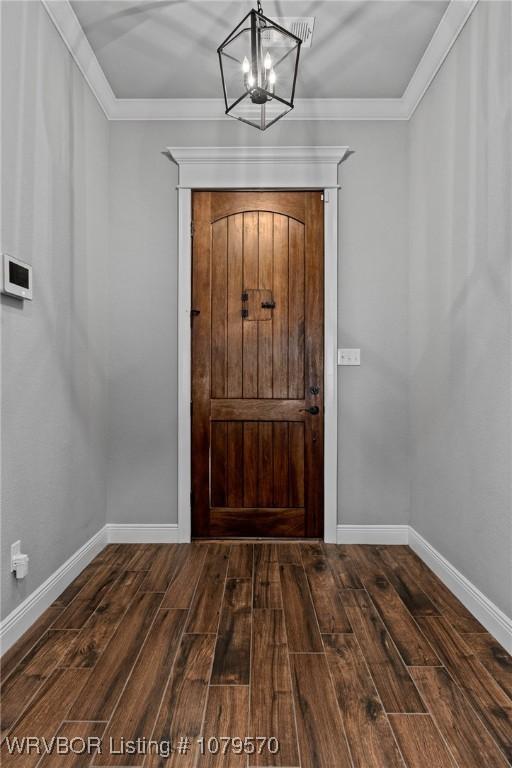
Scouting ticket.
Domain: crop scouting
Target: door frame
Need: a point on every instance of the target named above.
(250, 168)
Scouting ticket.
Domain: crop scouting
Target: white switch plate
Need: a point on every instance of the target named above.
(349, 357)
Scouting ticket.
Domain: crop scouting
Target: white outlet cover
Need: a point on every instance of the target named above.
(349, 357)
(15, 551)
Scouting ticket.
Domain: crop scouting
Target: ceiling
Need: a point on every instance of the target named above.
(167, 49)
(156, 59)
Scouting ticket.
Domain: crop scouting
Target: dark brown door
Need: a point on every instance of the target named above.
(257, 364)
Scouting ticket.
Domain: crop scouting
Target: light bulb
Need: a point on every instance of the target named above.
(272, 77)
(268, 61)
(245, 65)
(250, 79)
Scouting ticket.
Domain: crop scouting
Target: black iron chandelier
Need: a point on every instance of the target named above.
(258, 64)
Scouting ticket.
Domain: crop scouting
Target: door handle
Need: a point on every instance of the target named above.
(314, 410)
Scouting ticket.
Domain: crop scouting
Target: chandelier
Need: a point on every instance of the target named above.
(258, 64)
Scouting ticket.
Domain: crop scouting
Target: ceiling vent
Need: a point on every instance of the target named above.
(300, 26)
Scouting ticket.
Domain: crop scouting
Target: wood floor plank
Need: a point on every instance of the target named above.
(18, 690)
(123, 554)
(288, 552)
(301, 625)
(79, 610)
(494, 658)
(227, 714)
(267, 582)
(320, 729)
(329, 610)
(271, 705)
(447, 603)
(17, 652)
(71, 731)
(416, 601)
(168, 559)
(395, 687)
(182, 709)
(470, 743)
(137, 709)
(487, 698)
(231, 664)
(184, 581)
(47, 710)
(83, 578)
(420, 742)
(142, 558)
(414, 648)
(98, 699)
(343, 566)
(241, 561)
(89, 644)
(205, 608)
(369, 734)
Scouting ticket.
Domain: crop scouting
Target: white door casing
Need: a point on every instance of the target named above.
(258, 168)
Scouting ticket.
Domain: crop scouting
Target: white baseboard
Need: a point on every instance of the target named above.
(372, 534)
(494, 620)
(27, 612)
(132, 533)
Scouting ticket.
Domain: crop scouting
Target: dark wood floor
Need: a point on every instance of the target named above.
(347, 655)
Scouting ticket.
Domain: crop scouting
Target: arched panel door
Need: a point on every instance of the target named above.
(257, 364)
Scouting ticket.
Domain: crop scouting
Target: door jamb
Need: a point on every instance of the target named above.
(276, 168)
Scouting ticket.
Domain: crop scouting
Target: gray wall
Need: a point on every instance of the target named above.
(54, 215)
(460, 311)
(373, 416)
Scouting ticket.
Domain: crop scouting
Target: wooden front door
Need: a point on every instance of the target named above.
(257, 364)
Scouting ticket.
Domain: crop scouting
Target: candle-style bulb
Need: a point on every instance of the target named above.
(250, 79)
(272, 77)
(268, 61)
(245, 65)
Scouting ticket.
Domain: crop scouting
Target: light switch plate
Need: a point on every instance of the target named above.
(349, 357)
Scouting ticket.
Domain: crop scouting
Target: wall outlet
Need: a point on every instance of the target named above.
(349, 357)
(19, 561)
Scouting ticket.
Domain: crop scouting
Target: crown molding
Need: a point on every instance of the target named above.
(213, 109)
(447, 32)
(64, 18)
(69, 28)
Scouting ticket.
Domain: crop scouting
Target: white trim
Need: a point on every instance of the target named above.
(267, 168)
(132, 533)
(448, 30)
(69, 28)
(493, 619)
(184, 361)
(450, 26)
(372, 534)
(27, 612)
(331, 210)
(304, 109)
(487, 613)
(257, 167)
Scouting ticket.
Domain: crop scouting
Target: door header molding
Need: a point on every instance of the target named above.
(258, 167)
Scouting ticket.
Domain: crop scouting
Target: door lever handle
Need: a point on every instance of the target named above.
(314, 410)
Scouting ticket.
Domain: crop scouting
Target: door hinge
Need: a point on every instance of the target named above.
(325, 196)
(192, 228)
(191, 408)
